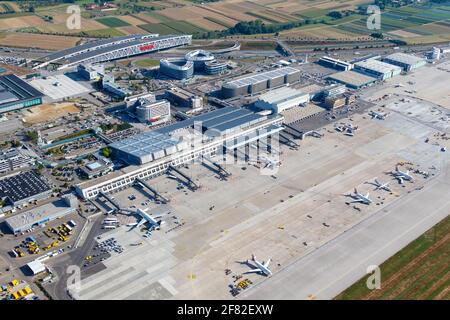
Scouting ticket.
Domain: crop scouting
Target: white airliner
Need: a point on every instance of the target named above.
(360, 197)
(269, 163)
(262, 268)
(380, 186)
(401, 176)
(378, 115)
(146, 218)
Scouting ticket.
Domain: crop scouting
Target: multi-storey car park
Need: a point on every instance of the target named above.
(112, 49)
(153, 153)
(257, 82)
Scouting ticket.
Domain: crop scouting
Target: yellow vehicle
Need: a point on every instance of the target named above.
(27, 290)
(19, 252)
(14, 282)
(88, 258)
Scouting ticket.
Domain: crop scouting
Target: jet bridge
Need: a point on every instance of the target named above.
(156, 194)
(220, 168)
(294, 132)
(115, 204)
(288, 141)
(189, 182)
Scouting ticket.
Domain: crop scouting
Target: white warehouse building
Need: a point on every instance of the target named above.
(282, 99)
(377, 69)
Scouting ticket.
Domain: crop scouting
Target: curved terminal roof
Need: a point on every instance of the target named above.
(199, 56)
(177, 63)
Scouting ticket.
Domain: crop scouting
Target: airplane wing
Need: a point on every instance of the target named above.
(266, 265)
(400, 179)
(140, 223)
(254, 270)
(367, 195)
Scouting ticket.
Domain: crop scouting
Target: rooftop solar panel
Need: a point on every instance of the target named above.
(239, 122)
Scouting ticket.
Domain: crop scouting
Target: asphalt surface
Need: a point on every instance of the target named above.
(335, 266)
(77, 257)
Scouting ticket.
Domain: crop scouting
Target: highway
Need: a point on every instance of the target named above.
(330, 269)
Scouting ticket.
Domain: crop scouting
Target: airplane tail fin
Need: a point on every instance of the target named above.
(356, 191)
(253, 257)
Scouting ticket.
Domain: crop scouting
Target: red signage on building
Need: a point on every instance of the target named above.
(147, 47)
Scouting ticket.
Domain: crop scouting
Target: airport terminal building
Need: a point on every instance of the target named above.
(153, 153)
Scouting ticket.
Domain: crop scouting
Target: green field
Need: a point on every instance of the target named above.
(158, 28)
(159, 17)
(113, 22)
(147, 62)
(183, 27)
(419, 271)
(172, 27)
(220, 22)
(110, 32)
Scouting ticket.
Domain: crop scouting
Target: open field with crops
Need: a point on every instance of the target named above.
(113, 22)
(28, 40)
(414, 24)
(419, 271)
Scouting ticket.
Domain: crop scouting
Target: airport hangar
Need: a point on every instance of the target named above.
(17, 94)
(152, 153)
(112, 49)
(38, 216)
(257, 82)
(406, 61)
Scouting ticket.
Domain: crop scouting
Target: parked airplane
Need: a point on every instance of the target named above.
(401, 176)
(349, 132)
(262, 268)
(360, 197)
(380, 186)
(270, 163)
(378, 115)
(146, 218)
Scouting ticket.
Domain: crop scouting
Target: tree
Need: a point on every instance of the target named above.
(106, 152)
